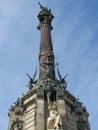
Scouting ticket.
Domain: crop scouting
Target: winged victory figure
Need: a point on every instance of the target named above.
(62, 79)
(32, 80)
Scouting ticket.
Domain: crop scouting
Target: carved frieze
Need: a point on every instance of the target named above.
(82, 124)
(16, 113)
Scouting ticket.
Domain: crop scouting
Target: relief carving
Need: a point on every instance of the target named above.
(82, 124)
(16, 115)
(17, 125)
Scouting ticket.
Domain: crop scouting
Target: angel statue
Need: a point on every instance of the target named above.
(48, 70)
(62, 79)
(32, 80)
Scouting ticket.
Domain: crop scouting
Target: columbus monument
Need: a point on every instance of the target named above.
(47, 105)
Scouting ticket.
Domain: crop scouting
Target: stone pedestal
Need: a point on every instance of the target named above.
(37, 111)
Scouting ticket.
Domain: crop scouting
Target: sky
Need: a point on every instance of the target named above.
(75, 43)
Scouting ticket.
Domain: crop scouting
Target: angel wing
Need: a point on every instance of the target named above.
(33, 78)
(65, 76)
(60, 77)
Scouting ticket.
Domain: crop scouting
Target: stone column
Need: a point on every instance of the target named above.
(46, 56)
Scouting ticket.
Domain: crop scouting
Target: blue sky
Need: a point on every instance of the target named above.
(75, 42)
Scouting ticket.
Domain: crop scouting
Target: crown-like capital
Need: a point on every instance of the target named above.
(45, 16)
